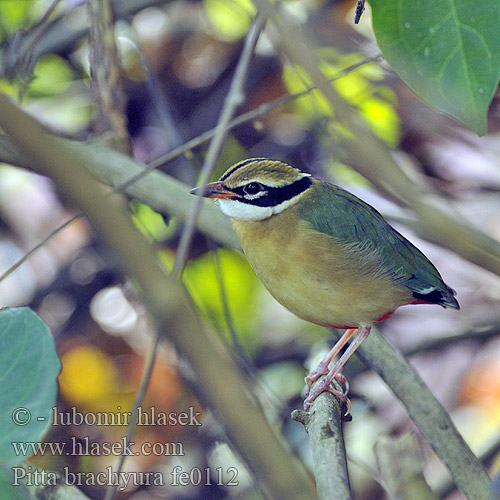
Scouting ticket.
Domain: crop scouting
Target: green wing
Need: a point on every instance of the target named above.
(346, 217)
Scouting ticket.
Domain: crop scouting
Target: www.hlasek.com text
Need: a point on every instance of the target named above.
(81, 447)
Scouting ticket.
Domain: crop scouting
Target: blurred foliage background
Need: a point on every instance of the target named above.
(178, 59)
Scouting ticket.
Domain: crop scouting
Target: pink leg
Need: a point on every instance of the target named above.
(324, 385)
(322, 368)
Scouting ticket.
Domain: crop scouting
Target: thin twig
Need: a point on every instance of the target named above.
(258, 112)
(48, 12)
(444, 341)
(233, 99)
(23, 51)
(141, 393)
(106, 74)
(227, 313)
(39, 245)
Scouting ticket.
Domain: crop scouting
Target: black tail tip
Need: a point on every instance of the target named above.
(452, 302)
(444, 298)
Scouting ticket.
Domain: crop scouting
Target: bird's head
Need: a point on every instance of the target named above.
(257, 188)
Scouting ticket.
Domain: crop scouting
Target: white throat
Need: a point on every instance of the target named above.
(246, 211)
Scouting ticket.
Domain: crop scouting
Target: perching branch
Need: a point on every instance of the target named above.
(324, 426)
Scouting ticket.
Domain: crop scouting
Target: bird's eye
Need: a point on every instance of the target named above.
(253, 188)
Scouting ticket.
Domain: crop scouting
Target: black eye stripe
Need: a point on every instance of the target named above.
(275, 195)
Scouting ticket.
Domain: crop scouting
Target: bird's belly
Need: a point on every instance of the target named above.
(338, 303)
(322, 285)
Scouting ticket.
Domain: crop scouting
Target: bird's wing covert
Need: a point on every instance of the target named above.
(344, 216)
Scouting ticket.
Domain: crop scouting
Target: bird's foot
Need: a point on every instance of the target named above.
(322, 369)
(326, 386)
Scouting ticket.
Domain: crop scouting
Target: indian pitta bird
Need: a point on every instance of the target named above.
(324, 254)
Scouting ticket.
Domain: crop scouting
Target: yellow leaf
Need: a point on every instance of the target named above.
(229, 18)
(87, 374)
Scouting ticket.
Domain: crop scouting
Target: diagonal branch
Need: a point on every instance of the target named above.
(427, 413)
(219, 383)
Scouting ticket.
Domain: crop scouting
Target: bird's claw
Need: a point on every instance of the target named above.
(326, 386)
(313, 376)
(317, 373)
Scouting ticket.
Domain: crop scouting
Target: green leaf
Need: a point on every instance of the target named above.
(14, 14)
(446, 51)
(239, 290)
(362, 88)
(150, 223)
(52, 76)
(29, 366)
